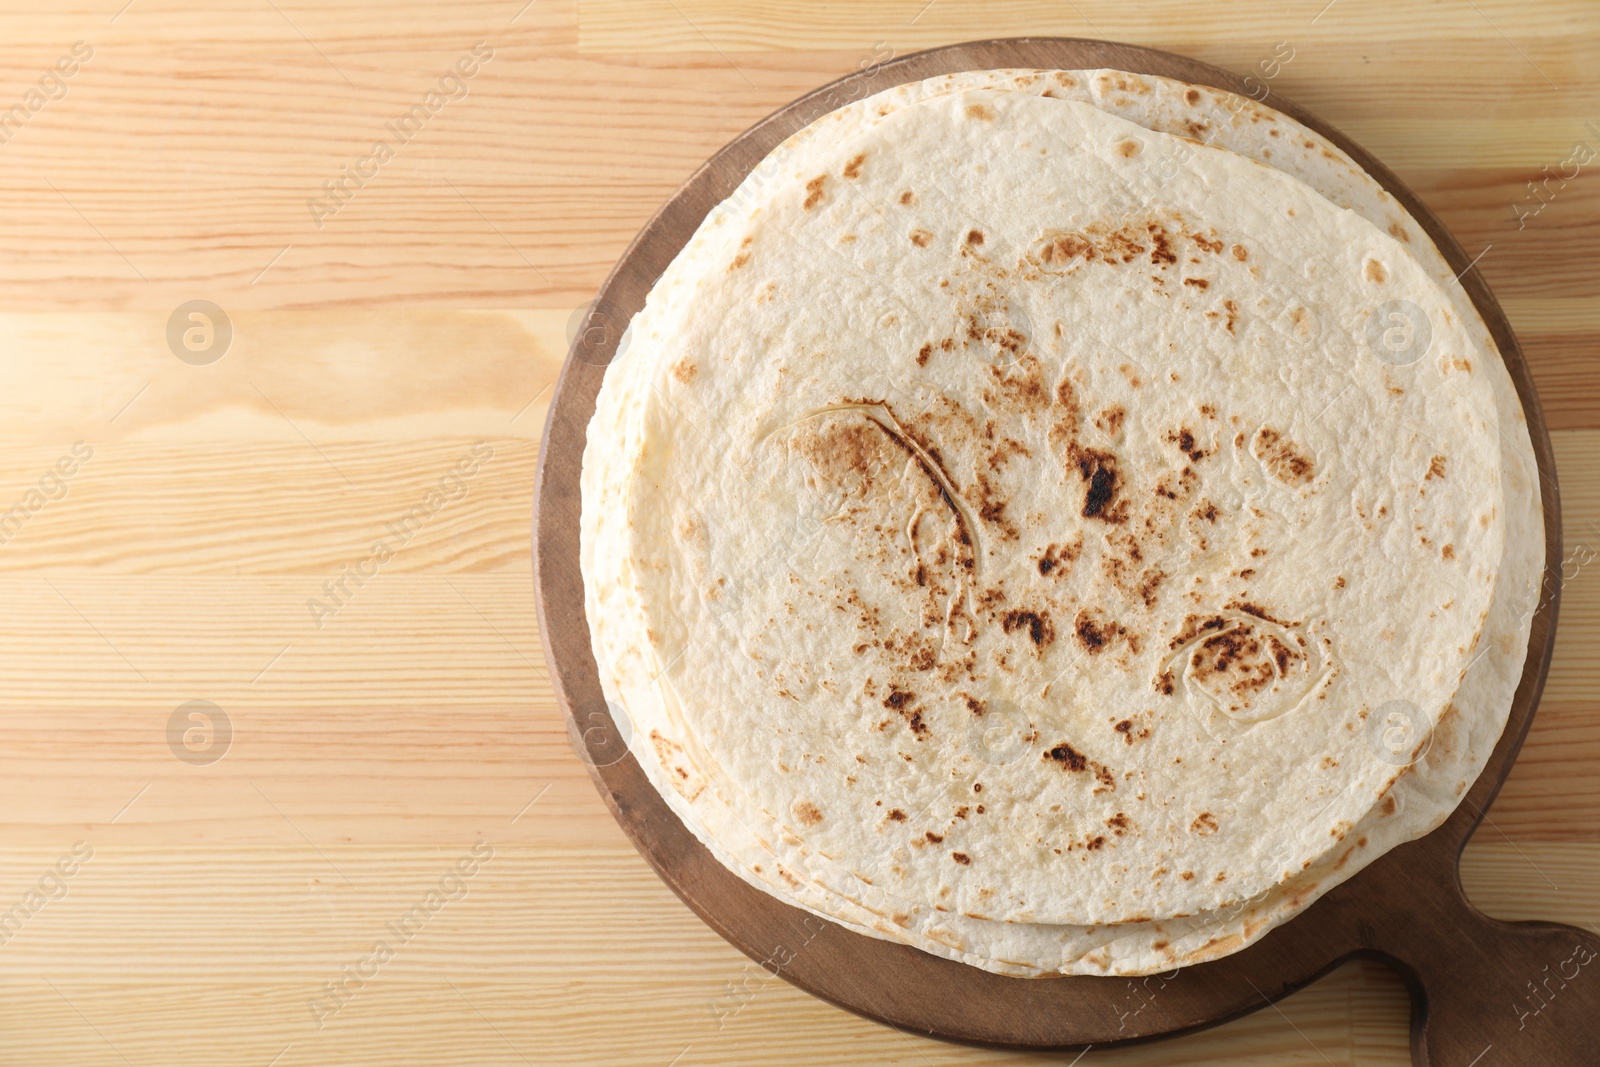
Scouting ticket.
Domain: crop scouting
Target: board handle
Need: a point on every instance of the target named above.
(1488, 993)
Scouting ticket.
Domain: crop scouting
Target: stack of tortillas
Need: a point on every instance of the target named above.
(1065, 521)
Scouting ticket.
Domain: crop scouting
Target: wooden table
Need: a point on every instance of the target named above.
(207, 884)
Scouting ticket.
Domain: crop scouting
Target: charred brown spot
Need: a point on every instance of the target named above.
(1111, 419)
(976, 706)
(961, 858)
(1194, 626)
(1375, 272)
(897, 815)
(1069, 758)
(1192, 96)
(808, 813)
(684, 371)
(1198, 283)
(1435, 468)
(1099, 472)
(852, 169)
(1094, 633)
(1161, 252)
(980, 111)
(1164, 683)
(1184, 439)
(1059, 251)
(1258, 611)
(1128, 149)
(852, 448)
(1204, 824)
(1124, 726)
(907, 197)
(974, 237)
(923, 353)
(1282, 458)
(814, 191)
(1058, 557)
(933, 838)
(1040, 631)
(920, 238)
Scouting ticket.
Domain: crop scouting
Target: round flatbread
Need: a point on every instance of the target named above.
(842, 416)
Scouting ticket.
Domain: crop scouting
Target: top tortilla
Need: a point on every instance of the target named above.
(1479, 399)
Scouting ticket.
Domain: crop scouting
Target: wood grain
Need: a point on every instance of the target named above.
(418, 718)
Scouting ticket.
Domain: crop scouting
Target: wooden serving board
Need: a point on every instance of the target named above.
(1475, 982)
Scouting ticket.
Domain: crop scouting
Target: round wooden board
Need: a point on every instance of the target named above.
(1468, 974)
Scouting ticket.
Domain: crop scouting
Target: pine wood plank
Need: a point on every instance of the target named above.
(198, 951)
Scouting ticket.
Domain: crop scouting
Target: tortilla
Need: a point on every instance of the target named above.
(829, 416)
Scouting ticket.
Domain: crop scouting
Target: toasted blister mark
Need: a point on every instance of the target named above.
(854, 445)
(685, 778)
(1285, 460)
(1069, 759)
(1101, 480)
(1035, 624)
(1299, 323)
(1142, 242)
(1245, 664)
(814, 189)
(1095, 631)
(808, 813)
